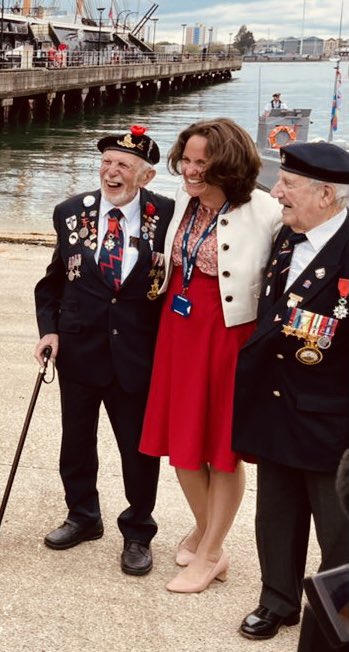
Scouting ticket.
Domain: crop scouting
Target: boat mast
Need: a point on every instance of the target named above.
(302, 31)
(336, 98)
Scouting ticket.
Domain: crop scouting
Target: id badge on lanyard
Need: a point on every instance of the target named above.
(180, 303)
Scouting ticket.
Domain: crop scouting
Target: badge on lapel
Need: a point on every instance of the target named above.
(150, 223)
(157, 274)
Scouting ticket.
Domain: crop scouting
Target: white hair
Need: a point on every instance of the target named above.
(341, 191)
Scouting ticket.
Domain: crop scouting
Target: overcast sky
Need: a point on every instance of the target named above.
(269, 19)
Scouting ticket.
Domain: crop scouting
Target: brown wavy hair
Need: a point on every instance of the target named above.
(233, 161)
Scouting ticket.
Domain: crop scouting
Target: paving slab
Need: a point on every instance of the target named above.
(79, 600)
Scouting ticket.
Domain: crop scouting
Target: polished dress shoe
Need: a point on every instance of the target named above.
(136, 558)
(263, 623)
(70, 534)
(183, 584)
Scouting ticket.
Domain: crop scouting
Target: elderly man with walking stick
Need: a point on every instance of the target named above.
(97, 307)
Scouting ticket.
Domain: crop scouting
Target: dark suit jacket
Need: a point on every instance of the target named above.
(286, 411)
(102, 334)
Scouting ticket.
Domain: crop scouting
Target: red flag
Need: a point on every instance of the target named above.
(110, 14)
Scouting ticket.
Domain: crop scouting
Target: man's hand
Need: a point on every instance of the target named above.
(51, 339)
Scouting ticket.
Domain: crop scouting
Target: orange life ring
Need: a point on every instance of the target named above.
(276, 131)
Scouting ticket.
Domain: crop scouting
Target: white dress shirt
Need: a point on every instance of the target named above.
(305, 252)
(275, 104)
(131, 226)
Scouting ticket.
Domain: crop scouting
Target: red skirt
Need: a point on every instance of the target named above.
(189, 413)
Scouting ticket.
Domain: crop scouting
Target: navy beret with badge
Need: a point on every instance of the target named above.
(320, 160)
(133, 142)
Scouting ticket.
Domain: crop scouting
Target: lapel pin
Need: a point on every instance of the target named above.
(89, 200)
(71, 222)
(307, 284)
(73, 238)
(320, 272)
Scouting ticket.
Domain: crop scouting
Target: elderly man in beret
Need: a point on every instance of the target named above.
(97, 307)
(291, 410)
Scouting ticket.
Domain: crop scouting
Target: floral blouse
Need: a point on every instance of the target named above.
(207, 258)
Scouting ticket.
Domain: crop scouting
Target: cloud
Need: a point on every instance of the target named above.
(269, 19)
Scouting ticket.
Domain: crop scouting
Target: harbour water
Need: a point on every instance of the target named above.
(42, 164)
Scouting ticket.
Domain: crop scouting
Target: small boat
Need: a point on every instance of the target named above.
(278, 128)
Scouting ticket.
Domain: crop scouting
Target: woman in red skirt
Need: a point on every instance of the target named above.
(217, 246)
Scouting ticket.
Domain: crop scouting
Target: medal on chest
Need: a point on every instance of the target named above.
(316, 330)
(341, 311)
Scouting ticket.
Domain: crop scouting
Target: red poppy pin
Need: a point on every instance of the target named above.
(138, 130)
(150, 209)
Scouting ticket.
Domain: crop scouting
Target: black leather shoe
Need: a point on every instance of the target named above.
(136, 558)
(70, 534)
(263, 623)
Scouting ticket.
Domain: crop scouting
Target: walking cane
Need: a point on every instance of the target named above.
(39, 380)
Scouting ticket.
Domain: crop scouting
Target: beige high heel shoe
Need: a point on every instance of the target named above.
(181, 584)
(183, 555)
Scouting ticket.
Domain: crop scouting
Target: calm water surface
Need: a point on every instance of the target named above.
(42, 165)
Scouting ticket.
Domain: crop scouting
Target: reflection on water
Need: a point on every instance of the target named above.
(41, 165)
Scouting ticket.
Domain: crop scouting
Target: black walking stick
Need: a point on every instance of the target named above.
(39, 380)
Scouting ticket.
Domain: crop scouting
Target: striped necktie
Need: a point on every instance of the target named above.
(110, 257)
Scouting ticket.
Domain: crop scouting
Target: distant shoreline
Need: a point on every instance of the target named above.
(40, 239)
(291, 59)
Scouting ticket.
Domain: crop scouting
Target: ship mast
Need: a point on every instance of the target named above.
(337, 79)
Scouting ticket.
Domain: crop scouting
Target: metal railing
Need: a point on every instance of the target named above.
(27, 59)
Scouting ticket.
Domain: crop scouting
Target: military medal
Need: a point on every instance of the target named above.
(309, 354)
(316, 330)
(324, 342)
(150, 223)
(154, 290)
(341, 311)
(88, 231)
(157, 274)
(293, 299)
(74, 264)
(109, 243)
(83, 233)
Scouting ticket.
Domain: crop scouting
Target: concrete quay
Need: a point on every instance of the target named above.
(74, 600)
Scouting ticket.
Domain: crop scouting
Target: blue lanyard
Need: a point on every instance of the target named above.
(188, 263)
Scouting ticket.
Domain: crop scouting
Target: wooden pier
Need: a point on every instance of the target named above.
(45, 91)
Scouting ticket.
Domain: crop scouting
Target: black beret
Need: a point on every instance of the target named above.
(322, 161)
(134, 142)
